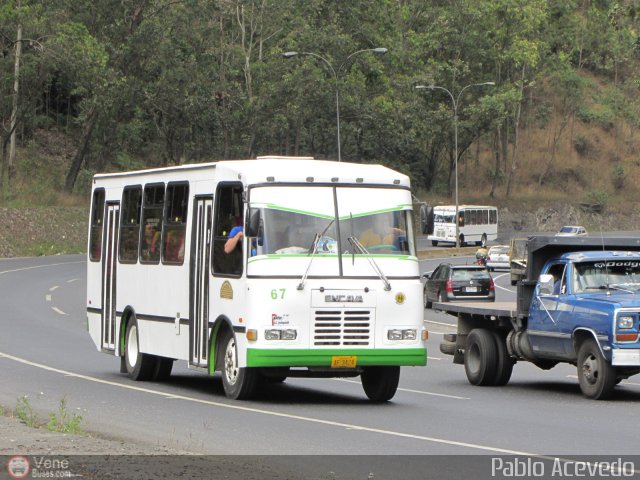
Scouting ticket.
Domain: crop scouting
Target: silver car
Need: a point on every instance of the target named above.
(571, 231)
(498, 257)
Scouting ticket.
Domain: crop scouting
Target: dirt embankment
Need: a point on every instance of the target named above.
(42, 231)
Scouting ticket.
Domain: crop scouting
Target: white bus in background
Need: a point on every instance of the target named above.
(303, 293)
(478, 224)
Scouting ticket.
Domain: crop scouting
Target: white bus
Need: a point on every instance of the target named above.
(477, 224)
(302, 294)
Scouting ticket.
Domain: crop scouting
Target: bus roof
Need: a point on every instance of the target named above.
(280, 170)
(462, 207)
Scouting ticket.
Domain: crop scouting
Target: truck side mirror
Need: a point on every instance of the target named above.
(426, 219)
(252, 228)
(545, 284)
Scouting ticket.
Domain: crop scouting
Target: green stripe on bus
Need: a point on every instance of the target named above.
(262, 357)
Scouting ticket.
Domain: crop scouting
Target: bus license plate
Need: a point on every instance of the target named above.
(343, 361)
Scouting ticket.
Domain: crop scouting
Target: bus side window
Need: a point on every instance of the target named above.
(175, 223)
(97, 214)
(228, 212)
(130, 224)
(152, 215)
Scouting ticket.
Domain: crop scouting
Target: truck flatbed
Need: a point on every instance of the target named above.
(485, 309)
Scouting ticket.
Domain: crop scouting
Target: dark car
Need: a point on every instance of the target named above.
(449, 283)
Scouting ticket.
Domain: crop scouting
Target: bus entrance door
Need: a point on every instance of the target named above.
(110, 262)
(199, 280)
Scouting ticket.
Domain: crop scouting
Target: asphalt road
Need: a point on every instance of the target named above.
(46, 354)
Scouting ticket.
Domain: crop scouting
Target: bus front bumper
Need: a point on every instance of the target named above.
(257, 357)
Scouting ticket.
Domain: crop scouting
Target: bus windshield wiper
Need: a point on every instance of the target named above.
(312, 251)
(358, 246)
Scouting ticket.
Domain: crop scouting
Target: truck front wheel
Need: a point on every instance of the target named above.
(481, 357)
(596, 376)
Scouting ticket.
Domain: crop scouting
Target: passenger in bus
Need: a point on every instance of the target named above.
(174, 245)
(235, 236)
(151, 245)
(380, 233)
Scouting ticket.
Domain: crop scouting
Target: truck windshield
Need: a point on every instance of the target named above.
(621, 275)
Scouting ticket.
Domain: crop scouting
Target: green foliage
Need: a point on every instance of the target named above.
(24, 412)
(582, 145)
(152, 83)
(598, 197)
(602, 117)
(618, 176)
(63, 421)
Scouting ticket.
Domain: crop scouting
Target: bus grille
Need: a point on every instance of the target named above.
(342, 327)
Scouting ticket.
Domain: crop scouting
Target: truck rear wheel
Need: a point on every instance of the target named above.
(481, 357)
(597, 377)
(380, 383)
(505, 362)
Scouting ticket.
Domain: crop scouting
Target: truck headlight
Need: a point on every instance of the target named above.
(625, 322)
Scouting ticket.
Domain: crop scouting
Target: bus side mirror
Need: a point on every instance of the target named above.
(426, 219)
(253, 224)
(461, 220)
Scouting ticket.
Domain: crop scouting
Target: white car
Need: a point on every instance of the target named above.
(498, 257)
(571, 231)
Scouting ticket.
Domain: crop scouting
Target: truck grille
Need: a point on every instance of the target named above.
(342, 328)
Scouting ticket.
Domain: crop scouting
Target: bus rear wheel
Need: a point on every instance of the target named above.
(239, 383)
(380, 383)
(140, 366)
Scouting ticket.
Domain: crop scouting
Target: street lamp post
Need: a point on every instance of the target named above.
(455, 101)
(336, 77)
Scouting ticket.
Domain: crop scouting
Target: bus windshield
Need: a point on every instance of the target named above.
(443, 217)
(290, 226)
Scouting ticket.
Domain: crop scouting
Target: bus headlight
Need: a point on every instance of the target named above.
(402, 334)
(625, 321)
(394, 334)
(277, 334)
(289, 334)
(409, 334)
(272, 334)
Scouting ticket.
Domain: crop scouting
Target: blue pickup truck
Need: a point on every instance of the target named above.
(578, 303)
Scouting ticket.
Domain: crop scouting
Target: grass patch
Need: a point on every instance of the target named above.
(24, 412)
(63, 421)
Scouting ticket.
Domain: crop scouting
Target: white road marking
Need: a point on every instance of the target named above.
(47, 298)
(502, 288)
(54, 288)
(421, 392)
(38, 266)
(441, 323)
(73, 280)
(58, 311)
(433, 358)
(300, 418)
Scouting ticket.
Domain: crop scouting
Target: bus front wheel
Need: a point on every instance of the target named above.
(380, 383)
(239, 383)
(140, 366)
